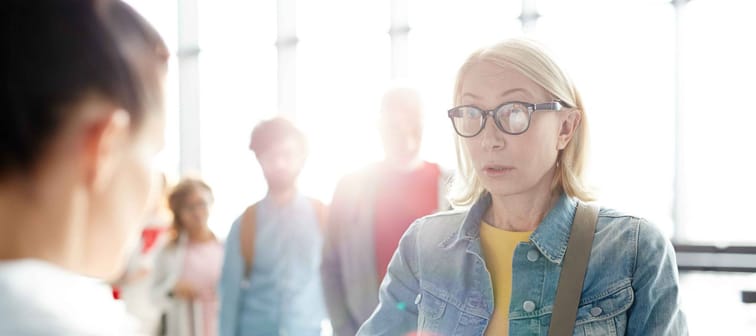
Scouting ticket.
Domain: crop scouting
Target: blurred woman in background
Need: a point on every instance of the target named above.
(81, 89)
(188, 268)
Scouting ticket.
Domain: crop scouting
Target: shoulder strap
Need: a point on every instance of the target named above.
(247, 238)
(573, 270)
(321, 211)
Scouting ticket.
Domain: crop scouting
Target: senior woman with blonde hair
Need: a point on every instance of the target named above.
(513, 262)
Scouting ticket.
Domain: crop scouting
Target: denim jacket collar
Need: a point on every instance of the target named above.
(550, 237)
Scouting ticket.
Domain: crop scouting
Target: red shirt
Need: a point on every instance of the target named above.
(401, 198)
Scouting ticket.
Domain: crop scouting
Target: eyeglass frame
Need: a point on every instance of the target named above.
(554, 105)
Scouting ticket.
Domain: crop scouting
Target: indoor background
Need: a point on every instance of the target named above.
(668, 87)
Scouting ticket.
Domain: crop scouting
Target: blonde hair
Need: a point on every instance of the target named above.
(531, 60)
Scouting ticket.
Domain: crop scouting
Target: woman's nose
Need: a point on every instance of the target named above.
(491, 138)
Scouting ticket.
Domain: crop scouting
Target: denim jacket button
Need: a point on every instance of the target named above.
(528, 306)
(596, 311)
(532, 255)
(418, 298)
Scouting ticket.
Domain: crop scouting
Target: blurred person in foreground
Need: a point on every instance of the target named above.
(493, 266)
(372, 208)
(188, 268)
(81, 120)
(271, 282)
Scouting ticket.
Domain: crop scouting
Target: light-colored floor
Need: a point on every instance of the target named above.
(712, 303)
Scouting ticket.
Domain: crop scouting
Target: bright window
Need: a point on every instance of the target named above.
(718, 68)
(343, 64)
(237, 73)
(625, 73)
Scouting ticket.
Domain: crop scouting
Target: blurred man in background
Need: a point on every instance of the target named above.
(367, 217)
(270, 283)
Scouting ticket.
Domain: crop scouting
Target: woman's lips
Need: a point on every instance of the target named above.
(497, 170)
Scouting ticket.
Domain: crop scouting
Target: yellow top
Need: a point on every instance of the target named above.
(498, 250)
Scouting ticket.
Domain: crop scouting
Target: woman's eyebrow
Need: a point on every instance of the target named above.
(515, 90)
(503, 94)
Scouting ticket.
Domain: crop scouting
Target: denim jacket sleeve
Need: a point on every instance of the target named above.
(230, 280)
(397, 313)
(656, 310)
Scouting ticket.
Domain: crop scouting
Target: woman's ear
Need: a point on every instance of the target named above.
(104, 141)
(568, 127)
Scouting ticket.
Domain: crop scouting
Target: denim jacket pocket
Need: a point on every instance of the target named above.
(431, 307)
(604, 314)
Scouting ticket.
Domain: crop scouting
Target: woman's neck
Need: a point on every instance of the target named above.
(200, 235)
(50, 234)
(520, 212)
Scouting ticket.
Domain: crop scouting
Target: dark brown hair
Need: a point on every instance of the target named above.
(55, 53)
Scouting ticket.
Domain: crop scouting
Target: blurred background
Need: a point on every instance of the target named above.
(668, 87)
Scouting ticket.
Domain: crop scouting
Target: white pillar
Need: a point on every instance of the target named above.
(399, 33)
(286, 44)
(189, 107)
(529, 16)
(679, 200)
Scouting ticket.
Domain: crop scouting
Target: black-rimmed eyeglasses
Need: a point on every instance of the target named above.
(510, 117)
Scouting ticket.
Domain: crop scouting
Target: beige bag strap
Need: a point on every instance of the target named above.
(247, 231)
(573, 270)
(247, 238)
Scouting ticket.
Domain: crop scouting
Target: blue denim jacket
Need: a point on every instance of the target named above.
(438, 284)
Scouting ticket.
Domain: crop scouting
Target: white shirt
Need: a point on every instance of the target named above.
(38, 298)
